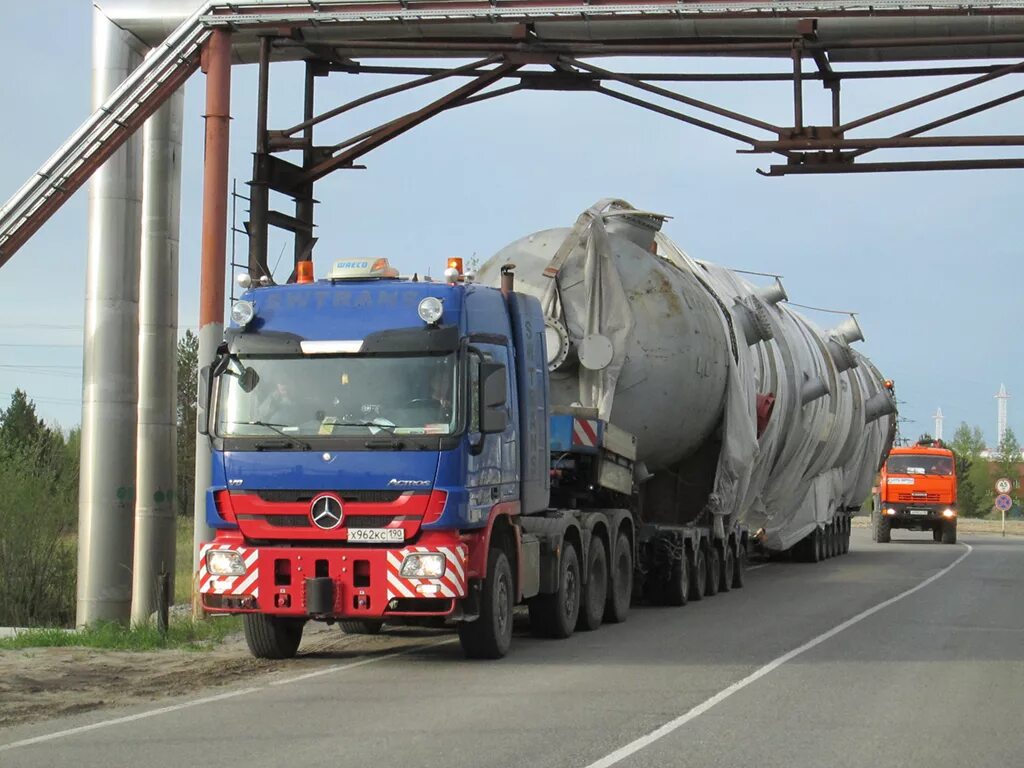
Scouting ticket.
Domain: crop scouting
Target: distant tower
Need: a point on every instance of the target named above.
(938, 424)
(1002, 397)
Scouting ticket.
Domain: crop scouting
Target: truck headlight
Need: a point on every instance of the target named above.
(222, 562)
(949, 513)
(889, 511)
(423, 566)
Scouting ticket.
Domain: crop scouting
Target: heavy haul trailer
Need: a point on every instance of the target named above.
(396, 450)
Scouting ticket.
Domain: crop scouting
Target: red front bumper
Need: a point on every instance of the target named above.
(367, 582)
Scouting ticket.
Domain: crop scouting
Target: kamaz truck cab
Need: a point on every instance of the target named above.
(374, 440)
(917, 492)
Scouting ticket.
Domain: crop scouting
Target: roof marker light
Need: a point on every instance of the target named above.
(430, 310)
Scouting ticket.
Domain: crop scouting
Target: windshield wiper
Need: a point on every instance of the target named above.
(276, 428)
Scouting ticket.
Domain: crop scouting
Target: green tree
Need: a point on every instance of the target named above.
(38, 510)
(971, 470)
(188, 372)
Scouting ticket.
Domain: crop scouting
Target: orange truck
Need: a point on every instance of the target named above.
(917, 492)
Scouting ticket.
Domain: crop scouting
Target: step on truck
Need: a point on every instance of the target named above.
(394, 450)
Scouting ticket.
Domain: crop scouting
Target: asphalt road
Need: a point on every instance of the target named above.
(808, 666)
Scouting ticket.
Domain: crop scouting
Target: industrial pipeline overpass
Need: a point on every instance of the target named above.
(145, 51)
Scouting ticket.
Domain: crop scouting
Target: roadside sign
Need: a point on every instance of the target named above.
(1003, 485)
(1003, 502)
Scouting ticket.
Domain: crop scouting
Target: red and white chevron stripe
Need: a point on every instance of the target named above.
(584, 432)
(247, 584)
(451, 584)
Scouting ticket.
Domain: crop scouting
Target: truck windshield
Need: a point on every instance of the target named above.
(337, 396)
(919, 465)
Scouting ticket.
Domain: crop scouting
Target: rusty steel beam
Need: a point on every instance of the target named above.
(896, 142)
(469, 70)
(894, 167)
(675, 115)
(935, 95)
(943, 121)
(665, 93)
(391, 130)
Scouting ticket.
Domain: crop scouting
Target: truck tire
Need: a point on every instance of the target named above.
(555, 615)
(937, 530)
(846, 535)
(698, 573)
(728, 561)
(272, 637)
(949, 532)
(739, 567)
(490, 636)
(714, 565)
(360, 627)
(677, 591)
(883, 531)
(595, 593)
(620, 588)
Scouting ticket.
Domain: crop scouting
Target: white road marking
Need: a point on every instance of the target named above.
(210, 699)
(755, 567)
(644, 741)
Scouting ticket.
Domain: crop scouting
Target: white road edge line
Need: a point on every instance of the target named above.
(644, 741)
(211, 699)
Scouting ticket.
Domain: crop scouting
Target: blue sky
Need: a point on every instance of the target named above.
(932, 262)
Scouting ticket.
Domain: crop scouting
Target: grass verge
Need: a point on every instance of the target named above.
(181, 635)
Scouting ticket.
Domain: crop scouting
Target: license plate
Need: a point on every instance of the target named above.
(375, 535)
(919, 511)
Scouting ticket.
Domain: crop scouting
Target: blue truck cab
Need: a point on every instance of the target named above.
(376, 442)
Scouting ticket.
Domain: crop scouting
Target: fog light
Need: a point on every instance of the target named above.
(423, 566)
(430, 310)
(221, 562)
(427, 590)
(242, 313)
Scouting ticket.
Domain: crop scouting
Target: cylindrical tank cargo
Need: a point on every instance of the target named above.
(671, 388)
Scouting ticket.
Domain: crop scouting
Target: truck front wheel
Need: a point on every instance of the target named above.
(555, 615)
(937, 532)
(272, 637)
(883, 532)
(490, 636)
(949, 532)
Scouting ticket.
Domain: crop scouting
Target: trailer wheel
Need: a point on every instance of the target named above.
(728, 561)
(819, 544)
(846, 535)
(677, 590)
(698, 573)
(555, 615)
(272, 637)
(949, 532)
(490, 636)
(714, 566)
(883, 531)
(360, 627)
(620, 591)
(595, 594)
(831, 550)
(739, 567)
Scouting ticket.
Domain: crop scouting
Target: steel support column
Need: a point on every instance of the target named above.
(110, 356)
(217, 65)
(155, 504)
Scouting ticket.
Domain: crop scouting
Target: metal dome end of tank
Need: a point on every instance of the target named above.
(596, 352)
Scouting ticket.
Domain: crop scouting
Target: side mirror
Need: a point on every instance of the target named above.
(493, 397)
(248, 380)
(203, 397)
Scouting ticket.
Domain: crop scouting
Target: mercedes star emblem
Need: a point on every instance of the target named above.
(325, 512)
